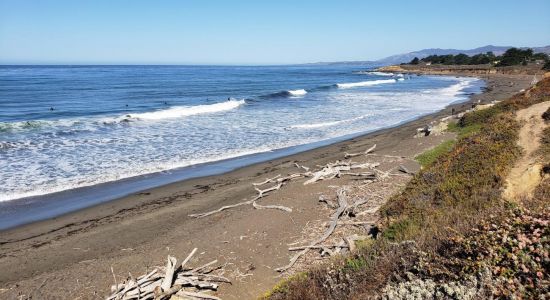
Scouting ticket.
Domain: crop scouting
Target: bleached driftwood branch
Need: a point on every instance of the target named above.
(301, 167)
(339, 168)
(349, 155)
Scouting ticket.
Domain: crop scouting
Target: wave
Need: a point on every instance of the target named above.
(327, 124)
(7, 126)
(34, 125)
(146, 169)
(289, 93)
(74, 125)
(374, 73)
(457, 88)
(185, 111)
(300, 92)
(364, 83)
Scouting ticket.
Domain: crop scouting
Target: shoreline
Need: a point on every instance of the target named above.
(157, 218)
(28, 210)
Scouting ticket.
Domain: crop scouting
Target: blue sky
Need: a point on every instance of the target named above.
(257, 32)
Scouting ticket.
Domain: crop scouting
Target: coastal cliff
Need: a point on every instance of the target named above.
(462, 69)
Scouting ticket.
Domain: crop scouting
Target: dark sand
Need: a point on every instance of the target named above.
(70, 257)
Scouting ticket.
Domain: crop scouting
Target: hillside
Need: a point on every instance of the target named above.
(497, 50)
(450, 233)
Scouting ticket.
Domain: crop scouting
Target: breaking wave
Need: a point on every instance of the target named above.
(300, 92)
(289, 93)
(364, 83)
(327, 124)
(455, 89)
(67, 126)
(185, 111)
(374, 73)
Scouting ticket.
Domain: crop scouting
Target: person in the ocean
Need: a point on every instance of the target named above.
(51, 108)
(165, 103)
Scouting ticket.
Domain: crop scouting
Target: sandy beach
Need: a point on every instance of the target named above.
(75, 256)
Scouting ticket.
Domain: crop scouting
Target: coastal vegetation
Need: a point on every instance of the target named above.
(427, 158)
(512, 57)
(449, 232)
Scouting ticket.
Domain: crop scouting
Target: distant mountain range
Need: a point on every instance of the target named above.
(407, 57)
(497, 50)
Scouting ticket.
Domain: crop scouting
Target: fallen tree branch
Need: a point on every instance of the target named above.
(301, 167)
(349, 155)
(279, 207)
(202, 215)
(316, 247)
(266, 181)
(169, 276)
(404, 169)
(355, 223)
(197, 295)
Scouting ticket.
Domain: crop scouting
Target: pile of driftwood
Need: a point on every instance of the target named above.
(345, 208)
(366, 171)
(328, 171)
(174, 279)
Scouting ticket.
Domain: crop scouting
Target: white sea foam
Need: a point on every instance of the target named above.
(457, 88)
(400, 79)
(185, 111)
(374, 73)
(380, 73)
(92, 123)
(316, 125)
(327, 124)
(299, 92)
(149, 168)
(364, 83)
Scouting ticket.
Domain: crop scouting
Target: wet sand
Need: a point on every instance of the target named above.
(70, 257)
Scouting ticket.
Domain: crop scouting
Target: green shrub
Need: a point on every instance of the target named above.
(428, 157)
(355, 264)
(463, 131)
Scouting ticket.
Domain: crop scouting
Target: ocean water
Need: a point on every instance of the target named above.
(67, 127)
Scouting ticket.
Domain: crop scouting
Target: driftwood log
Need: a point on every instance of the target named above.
(349, 155)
